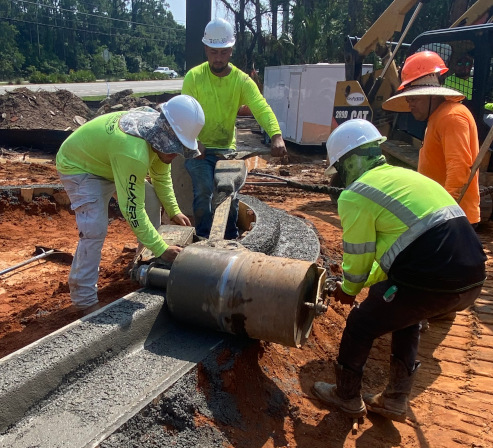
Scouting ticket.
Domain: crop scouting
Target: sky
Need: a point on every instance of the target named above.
(178, 10)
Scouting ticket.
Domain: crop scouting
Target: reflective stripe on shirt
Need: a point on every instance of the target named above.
(416, 226)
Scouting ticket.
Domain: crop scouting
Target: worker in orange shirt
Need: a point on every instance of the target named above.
(451, 144)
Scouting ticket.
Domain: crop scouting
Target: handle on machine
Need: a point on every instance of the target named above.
(329, 289)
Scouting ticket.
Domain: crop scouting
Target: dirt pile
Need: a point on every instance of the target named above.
(61, 110)
(24, 109)
(122, 100)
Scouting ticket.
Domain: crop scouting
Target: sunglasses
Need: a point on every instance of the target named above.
(465, 64)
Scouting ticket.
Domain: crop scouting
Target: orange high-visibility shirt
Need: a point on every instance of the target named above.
(450, 147)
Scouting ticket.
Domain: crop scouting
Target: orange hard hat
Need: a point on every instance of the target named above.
(421, 64)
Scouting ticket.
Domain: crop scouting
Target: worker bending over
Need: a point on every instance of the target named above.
(406, 238)
(116, 152)
(450, 144)
(221, 89)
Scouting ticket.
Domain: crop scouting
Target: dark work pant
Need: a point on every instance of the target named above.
(202, 173)
(375, 317)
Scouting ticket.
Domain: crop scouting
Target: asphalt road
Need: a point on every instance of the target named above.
(102, 87)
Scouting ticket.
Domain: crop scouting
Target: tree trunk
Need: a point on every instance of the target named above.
(258, 19)
(274, 7)
(355, 9)
(240, 24)
(285, 16)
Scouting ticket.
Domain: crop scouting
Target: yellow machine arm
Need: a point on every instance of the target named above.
(479, 12)
(391, 21)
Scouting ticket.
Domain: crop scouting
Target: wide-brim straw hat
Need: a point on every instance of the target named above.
(425, 86)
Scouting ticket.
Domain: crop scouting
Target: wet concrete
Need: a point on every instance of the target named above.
(76, 386)
(279, 234)
(128, 371)
(170, 419)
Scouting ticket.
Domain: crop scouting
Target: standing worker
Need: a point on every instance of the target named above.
(221, 89)
(116, 152)
(451, 144)
(406, 238)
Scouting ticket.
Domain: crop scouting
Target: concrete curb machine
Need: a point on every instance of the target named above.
(221, 285)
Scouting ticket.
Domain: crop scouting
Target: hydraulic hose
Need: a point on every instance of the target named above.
(307, 187)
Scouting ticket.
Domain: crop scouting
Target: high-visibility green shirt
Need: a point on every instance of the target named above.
(101, 148)
(384, 211)
(463, 85)
(220, 98)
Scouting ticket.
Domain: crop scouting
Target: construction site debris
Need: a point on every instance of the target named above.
(24, 109)
(122, 100)
(60, 110)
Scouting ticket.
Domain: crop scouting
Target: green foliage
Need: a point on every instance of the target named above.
(145, 76)
(117, 66)
(62, 40)
(37, 77)
(157, 76)
(141, 76)
(98, 64)
(56, 37)
(52, 65)
(84, 62)
(134, 63)
(55, 78)
(81, 76)
(11, 59)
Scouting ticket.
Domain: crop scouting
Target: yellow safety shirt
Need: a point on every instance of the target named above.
(220, 98)
(101, 148)
(383, 213)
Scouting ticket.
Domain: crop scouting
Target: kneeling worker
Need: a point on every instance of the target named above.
(406, 238)
(116, 152)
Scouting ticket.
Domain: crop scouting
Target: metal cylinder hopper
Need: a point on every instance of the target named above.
(245, 293)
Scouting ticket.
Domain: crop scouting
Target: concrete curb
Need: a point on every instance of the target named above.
(79, 384)
(76, 386)
(28, 375)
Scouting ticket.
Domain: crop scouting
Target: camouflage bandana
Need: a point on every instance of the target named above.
(358, 161)
(154, 129)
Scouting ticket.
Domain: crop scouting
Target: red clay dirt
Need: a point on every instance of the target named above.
(451, 403)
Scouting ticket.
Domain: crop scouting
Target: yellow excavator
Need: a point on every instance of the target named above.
(361, 96)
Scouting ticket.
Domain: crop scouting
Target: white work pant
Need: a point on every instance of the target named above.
(90, 196)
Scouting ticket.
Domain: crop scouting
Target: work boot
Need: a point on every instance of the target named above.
(393, 401)
(345, 394)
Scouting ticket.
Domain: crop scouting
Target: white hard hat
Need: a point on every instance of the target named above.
(350, 135)
(219, 34)
(186, 117)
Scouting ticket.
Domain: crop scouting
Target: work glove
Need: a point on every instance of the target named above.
(341, 296)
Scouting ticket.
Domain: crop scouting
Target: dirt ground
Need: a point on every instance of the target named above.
(451, 403)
